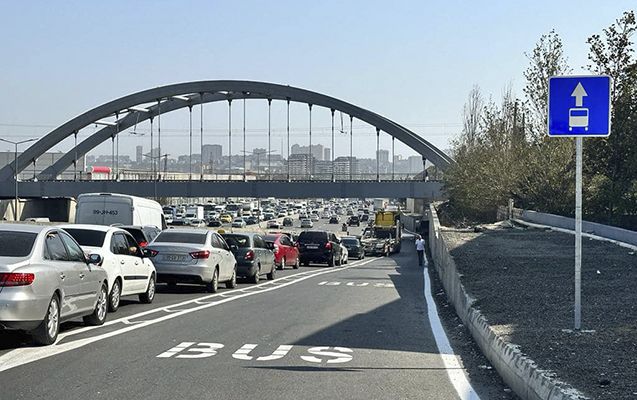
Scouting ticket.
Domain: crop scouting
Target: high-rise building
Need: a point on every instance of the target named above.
(327, 154)
(139, 154)
(317, 150)
(382, 156)
(415, 164)
(346, 166)
(299, 165)
(212, 153)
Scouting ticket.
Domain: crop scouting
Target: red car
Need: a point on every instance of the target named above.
(286, 253)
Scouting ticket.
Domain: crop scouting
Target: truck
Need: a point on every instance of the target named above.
(194, 213)
(383, 237)
(380, 204)
(118, 209)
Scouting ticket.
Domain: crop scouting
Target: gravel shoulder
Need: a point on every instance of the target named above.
(523, 283)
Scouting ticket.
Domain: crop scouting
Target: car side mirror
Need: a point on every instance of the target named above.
(94, 259)
(146, 253)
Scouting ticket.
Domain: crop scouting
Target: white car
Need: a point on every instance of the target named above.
(128, 270)
(344, 254)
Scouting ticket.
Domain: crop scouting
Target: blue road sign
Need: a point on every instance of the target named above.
(579, 106)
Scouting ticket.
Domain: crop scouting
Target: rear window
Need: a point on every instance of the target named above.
(312, 237)
(87, 237)
(181, 237)
(270, 238)
(237, 240)
(16, 244)
(350, 241)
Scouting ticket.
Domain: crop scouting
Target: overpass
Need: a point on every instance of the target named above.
(150, 104)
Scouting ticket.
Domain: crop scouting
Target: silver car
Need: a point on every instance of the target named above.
(46, 279)
(195, 256)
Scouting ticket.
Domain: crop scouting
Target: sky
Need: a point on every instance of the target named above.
(413, 62)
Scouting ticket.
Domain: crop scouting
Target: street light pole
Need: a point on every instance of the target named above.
(15, 169)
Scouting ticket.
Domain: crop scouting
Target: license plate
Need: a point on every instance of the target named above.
(312, 246)
(175, 257)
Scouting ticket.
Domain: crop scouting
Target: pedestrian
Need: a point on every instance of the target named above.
(420, 249)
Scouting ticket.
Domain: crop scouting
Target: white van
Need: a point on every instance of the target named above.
(118, 209)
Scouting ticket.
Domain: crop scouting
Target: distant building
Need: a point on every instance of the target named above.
(346, 166)
(299, 165)
(317, 150)
(43, 162)
(382, 156)
(139, 154)
(212, 153)
(415, 164)
(327, 154)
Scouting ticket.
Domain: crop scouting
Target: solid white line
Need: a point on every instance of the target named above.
(27, 355)
(454, 370)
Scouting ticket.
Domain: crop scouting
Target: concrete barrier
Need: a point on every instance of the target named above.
(518, 371)
(558, 221)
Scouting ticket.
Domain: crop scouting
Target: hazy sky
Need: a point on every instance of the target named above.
(411, 61)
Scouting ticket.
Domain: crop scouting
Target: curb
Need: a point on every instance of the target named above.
(518, 371)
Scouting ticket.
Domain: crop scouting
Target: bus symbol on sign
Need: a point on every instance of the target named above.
(578, 118)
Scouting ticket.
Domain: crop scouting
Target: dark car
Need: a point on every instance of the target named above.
(142, 234)
(364, 218)
(319, 246)
(354, 247)
(252, 220)
(334, 219)
(214, 223)
(253, 254)
(353, 221)
(287, 221)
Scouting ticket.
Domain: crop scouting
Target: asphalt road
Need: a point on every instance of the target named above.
(357, 332)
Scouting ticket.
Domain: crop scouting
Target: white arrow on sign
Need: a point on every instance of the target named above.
(579, 94)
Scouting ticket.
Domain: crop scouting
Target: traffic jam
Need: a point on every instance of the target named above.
(122, 247)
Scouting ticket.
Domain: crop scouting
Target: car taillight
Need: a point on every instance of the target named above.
(249, 255)
(276, 249)
(16, 279)
(143, 244)
(200, 255)
(328, 246)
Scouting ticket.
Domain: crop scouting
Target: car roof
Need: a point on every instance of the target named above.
(24, 227)
(188, 230)
(89, 227)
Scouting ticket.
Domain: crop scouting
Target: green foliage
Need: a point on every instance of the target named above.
(503, 151)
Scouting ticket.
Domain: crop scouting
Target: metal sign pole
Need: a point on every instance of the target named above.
(578, 233)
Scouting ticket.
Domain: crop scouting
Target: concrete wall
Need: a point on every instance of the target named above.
(517, 370)
(606, 231)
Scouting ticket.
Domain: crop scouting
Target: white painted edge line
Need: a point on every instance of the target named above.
(584, 234)
(27, 355)
(450, 360)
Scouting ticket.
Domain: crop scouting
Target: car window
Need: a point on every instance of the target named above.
(181, 237)
(118, 244)
(221, 241)
(75, 252)
(55, 249)
(87, 237)
(16, 244)
(259, 242)
(131, 242)
(137, 233)
(286, 241)
(151, 233)
(237, 240)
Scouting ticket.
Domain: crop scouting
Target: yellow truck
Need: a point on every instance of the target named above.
(383, 237)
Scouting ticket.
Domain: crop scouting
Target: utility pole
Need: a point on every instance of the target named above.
(15, 170)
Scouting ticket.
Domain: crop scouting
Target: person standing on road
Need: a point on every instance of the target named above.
(420, 249)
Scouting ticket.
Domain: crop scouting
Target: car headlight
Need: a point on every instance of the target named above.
(380, 245)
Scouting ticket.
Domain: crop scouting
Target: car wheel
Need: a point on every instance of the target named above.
(47, 332)
(272, 274)
(306, 263)
(297, 264)
(115, 296)
(213, 285)
(99, 313)
(282, 263)
(255, 277)
(232, 283)
(149, 295)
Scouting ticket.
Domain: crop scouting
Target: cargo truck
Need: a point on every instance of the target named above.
(384, 236)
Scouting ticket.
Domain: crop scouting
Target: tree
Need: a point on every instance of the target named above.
(611, 164)
(472, 113)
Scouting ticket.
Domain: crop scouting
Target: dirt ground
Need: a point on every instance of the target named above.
(523, 280)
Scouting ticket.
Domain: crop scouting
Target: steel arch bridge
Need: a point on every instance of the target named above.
(186, 95)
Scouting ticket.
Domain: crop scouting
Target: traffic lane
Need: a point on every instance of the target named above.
(392, 350)
(130, 305)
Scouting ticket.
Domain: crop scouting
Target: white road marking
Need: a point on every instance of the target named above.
(177, 349)
(454, 370)
(338, 354)
(27, 355)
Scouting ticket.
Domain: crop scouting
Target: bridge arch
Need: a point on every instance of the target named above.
(181, 95)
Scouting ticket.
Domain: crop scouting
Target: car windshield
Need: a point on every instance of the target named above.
(87, 237)
(181, 237)
(16, 244)
(241, 241)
